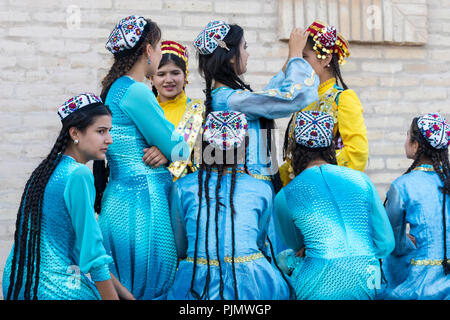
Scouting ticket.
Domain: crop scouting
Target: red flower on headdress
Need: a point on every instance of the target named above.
(314, 133)
(327, 125)
(310, 142)
(72, 106)
(428, 133)
(436, 127)
(302, 122)
(435, 116)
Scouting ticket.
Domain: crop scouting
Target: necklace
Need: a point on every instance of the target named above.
(424, 167)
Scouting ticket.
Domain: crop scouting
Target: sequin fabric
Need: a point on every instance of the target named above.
(135, 220)
(60, 277)
(334, 219)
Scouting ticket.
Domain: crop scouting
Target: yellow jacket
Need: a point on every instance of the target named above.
(348, 124)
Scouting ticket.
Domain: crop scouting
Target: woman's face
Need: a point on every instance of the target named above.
(169, 80)
(94, 141)
(410, 147)
(243, 57)
(155, 55)
(310, 55)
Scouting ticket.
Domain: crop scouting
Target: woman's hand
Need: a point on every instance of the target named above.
(412, 239)
(297, 42)
(300, 253)
(122, 292)
(154, 157)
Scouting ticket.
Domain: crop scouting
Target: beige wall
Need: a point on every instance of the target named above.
(45, 59)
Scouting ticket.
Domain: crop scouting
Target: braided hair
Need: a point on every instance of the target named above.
(122, 64)
(440, 161)
(217, 66)
(27, 236)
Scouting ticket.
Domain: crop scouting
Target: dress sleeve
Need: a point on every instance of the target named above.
(284, 224)
(177, 219)
(276, 81)
(382, 235)
(353, 132)
(297, 90)
(140, 104)
(395, 208)
(79, 196)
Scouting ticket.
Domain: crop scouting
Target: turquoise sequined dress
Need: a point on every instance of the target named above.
(135, 218)
(287, 92)
(256, 278)
(71, 241)
(337, 215)
(415, 271)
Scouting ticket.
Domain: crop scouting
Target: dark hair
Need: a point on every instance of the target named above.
(439, 158)
(217, 66)
(334, 63)
(27, 237)
(171, 58)
(122, 64)
(226, 155)
(302, 156)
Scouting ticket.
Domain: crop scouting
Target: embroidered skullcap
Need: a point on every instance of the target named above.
(177, 49)
(78, 102)
(126, 35)
(327, 40)
(212, 37)
(225, 130)
(314, 129)
(435, 129)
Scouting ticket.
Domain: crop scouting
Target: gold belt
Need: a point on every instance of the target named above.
(261, 177)
(427, 262)
(215, 262)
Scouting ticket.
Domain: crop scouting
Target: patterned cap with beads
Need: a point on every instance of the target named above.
(76, 103)
(212, 37)
(225, 130)
(327, 41)
(177, 49)
(126, 34)
(435, 129)
(314, 129)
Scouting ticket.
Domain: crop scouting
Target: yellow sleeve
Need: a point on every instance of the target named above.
(284, 173)
(353, 132)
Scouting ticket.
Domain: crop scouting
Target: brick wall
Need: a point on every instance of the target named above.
(48, 53)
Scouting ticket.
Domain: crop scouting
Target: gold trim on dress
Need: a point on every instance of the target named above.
(423, 169)
(227, 259)
(426, 262)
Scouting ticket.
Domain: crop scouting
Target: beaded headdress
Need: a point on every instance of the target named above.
(78, 102)
(212, 37)
(435, 129)
(314, 129)
(327, 40)
(225, 130)
(178, 50)
(126, 35)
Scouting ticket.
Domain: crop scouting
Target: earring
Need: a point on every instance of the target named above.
(75, 141)
(149, 61)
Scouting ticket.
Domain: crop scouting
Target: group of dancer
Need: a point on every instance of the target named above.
(186, 200)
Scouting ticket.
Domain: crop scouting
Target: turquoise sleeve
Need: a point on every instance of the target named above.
(382, 234)
(79, 196)
(177, 220)
(276, 81)
(140, 104)
(284, 224)
(297, 90)
(395, 208)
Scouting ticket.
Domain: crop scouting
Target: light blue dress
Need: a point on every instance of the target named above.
(287, 92)
(337, 215)
(256, 277)
(416, 272)
(135, 219)
(71, 241)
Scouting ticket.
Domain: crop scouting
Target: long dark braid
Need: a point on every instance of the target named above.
(441, 166)
(208, 275)
(122, 65)
(233, 215)
(218, 185)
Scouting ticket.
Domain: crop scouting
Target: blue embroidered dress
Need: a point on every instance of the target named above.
(135, 219)
(337, 215)
(416, 272)
(71, 241)
(287, 92)
(256, 277)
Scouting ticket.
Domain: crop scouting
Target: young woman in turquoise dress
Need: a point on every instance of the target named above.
(332, 219)
(222, 62)
(220, 217)
(134, 206)
(57, 239)
(418, 268)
